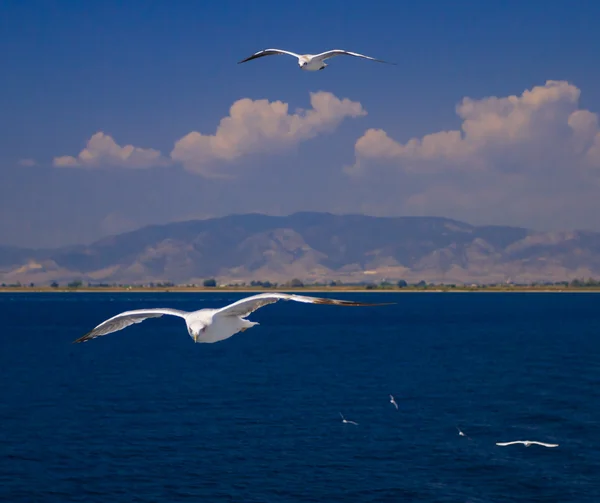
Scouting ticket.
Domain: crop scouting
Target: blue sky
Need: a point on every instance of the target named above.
(148, 73)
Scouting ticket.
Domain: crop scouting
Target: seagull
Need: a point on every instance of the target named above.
(213, 325)
(526, 443)
(393, 402)
(311, 62)
(461, 433)
(347, 421)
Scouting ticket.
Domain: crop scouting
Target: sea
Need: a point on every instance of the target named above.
(147, 415)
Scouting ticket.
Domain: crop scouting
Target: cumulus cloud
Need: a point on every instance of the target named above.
(260, 126)
(531, 159)
(102, 151)
(543, 128)
(252, 127)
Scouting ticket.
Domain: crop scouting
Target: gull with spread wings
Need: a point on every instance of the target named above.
(347, 421)
(526, 443)
(213, 325)
(311, 62)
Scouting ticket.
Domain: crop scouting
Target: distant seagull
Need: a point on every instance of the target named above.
(392, 401)
(526, 443)
(311, 62)
(461, 433)
(212, 325)
(347, 421)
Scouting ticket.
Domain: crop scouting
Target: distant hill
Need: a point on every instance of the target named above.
(314, 247)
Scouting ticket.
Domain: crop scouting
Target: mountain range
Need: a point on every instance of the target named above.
(313, 247)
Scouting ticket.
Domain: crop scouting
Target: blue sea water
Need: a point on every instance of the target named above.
(147, 415)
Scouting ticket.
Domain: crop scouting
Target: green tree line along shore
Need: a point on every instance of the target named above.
(213, 284)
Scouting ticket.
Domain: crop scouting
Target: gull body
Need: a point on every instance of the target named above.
(311, 62)
(347, 421)
(212, 325)
(526, 443)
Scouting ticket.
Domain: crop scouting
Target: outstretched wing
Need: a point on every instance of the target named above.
(120, 321)
(507, 443)
(268, 52)
(250, 304)
(339, 52)
(546, 445)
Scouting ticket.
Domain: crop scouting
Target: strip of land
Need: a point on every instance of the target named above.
(306, 289)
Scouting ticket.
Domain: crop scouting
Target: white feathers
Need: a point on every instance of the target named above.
(526, 443)
(212, 325)
(311, 62)
(347, 421)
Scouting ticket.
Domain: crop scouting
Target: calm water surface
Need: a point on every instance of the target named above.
(147, 415)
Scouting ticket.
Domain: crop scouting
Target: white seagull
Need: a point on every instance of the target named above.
(311, 62)
(461, 433)
(393, 402)
(526, 443)
(212, 325)
(347, 421)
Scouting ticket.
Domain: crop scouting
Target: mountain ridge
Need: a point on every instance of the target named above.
(313, 246)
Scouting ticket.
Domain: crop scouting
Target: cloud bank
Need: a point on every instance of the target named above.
(532, 159)
(538, 130)
(529, 159)
(252, 127)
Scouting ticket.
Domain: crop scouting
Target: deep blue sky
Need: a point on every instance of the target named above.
(148, 73)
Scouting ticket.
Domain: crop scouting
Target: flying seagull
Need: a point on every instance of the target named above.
(526, 443)
(212, 325)
(311, 62)
(347, 421)
(461, 433)
(392, 401)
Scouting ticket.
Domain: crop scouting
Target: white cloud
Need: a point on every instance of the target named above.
(27, 162)
(102, 151)
(530, 159)
(541, 129)
(261, 126)
(252, 127)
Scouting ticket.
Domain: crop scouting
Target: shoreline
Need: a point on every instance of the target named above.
(216, 290)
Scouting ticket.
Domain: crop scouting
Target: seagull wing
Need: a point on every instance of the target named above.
(120, 321)
(502, 444)
(339, 52)
(248, 305)
(545, 445)
(268, 52)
